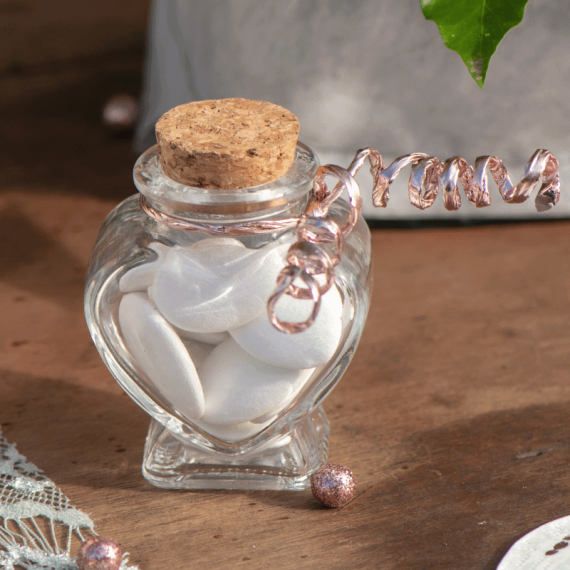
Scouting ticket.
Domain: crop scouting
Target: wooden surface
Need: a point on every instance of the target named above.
(453, 414)
(60, 61)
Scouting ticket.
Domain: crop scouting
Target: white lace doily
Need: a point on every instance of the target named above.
(545, 548)
(33, 513)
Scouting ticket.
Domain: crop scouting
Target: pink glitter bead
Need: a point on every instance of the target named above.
(120, 113)
(333, 485)
(99, 554)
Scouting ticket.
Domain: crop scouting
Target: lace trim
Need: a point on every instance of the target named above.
(26, 494)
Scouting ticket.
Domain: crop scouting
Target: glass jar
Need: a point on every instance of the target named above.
(177, 307)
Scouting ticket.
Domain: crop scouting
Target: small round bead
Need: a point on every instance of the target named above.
(120, 113)
(99, 554)
(333, 485)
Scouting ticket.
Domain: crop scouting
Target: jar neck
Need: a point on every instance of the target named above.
(285, 197)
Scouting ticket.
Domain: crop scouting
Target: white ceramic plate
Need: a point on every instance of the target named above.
(545, 548)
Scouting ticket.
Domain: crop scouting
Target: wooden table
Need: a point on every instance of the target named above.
(453, 413)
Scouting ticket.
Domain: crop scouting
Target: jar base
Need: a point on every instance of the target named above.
(284, 463)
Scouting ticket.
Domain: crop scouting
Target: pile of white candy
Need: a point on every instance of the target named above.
(195, 319)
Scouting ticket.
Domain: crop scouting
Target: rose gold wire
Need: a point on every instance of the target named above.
(240, 229)
(315, 261)
(286, 286)
(428, 174)
(542, 162)
(308, 256)
(322, 199)
(321, 230)
(315, 229)
(304, 262)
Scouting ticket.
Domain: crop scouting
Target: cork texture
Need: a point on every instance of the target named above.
(227, 143)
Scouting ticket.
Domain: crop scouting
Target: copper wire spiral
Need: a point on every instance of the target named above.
(428, 174)
(307, 259)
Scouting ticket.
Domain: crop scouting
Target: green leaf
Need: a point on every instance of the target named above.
(474, 28)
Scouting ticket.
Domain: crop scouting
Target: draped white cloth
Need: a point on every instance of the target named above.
(371, 74)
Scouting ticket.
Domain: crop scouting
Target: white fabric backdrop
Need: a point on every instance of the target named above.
(370, 73)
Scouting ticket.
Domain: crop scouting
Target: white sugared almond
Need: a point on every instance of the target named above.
(140, 277)
(307, 349)
(239, 388)
(161, 354)
(217, 284)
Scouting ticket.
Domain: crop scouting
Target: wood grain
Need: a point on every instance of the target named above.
(452, 415)
(61, 61)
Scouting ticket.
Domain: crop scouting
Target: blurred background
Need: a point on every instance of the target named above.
(60, 62)
(355, 73)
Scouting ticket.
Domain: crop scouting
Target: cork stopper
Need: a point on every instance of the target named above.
(227, 143)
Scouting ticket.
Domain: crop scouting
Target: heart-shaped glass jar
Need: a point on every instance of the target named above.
(179, 315)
